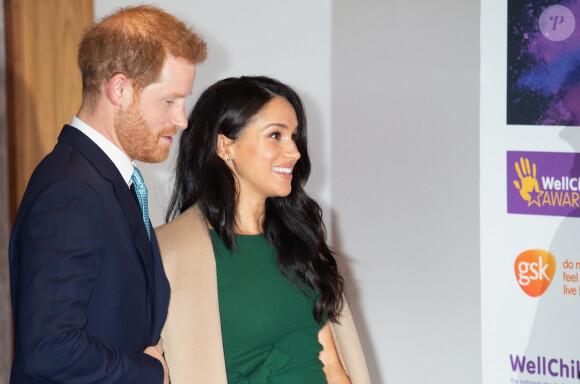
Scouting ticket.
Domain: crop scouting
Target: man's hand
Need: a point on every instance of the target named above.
(156, 351)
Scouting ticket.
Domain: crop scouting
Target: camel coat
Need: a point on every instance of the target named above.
(192, 337)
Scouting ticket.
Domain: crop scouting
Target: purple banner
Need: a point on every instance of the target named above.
(542, 66)
(543, 183)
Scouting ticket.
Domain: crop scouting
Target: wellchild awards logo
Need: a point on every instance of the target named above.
(543, 183)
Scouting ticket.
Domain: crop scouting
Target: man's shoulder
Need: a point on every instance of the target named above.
(67, 171)
(63, 163)
(75, 156)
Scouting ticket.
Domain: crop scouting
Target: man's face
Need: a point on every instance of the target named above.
(146, 128)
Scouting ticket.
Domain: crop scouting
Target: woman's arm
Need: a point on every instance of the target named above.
(333, 369)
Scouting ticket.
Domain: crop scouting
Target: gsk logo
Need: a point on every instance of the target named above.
(535, 269)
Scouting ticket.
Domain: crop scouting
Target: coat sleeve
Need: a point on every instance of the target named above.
(191, 337)
(349, 348)
(58, 248)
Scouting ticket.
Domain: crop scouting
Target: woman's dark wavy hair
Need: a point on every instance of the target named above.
(293, 224)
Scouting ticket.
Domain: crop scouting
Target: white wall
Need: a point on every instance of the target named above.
(405, 183)
(391, 90)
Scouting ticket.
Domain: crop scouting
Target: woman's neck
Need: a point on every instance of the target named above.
(250, 217)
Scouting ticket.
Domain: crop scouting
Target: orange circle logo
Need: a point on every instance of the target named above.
(535, 270)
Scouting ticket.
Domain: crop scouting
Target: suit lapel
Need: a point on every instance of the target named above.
(103, 164)
(133, 211)
(162, 292)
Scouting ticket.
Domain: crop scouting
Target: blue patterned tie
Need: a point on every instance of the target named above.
(141, 192)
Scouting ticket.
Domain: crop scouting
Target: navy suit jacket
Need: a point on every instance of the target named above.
(88, 289)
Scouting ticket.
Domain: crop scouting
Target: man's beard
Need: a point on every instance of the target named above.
(138, 139)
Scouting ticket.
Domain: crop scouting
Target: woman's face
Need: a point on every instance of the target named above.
(265, 153)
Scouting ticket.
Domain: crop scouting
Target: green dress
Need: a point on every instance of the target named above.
(269, 332)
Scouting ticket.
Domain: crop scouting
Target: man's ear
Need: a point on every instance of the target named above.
(119, 89)
(224, 147)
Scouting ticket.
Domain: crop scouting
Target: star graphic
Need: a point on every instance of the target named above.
(535, 198)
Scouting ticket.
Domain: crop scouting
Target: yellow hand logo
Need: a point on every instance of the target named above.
(528, 184)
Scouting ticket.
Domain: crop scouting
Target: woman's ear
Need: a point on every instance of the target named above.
(224, 147)
(119, 89)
